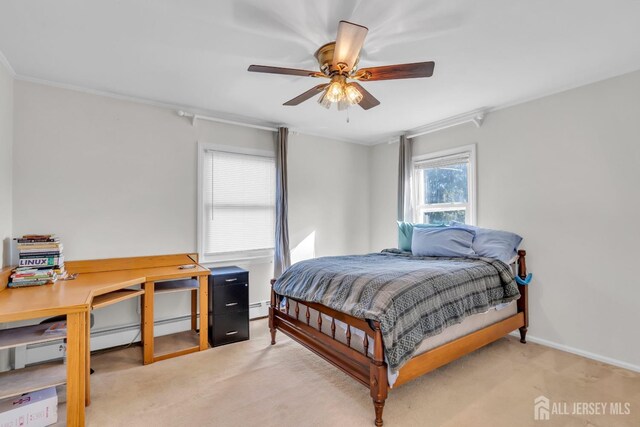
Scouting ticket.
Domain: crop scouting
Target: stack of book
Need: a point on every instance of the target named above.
(41, 261)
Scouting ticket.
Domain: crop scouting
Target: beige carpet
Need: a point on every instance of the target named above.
(255, 384)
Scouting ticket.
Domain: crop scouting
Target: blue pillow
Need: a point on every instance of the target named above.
(442, 241)
(405, 233)
(496, 244)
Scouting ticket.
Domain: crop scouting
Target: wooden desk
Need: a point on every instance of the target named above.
(75, 298)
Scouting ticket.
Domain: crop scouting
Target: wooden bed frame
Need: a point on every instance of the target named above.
(371, 370)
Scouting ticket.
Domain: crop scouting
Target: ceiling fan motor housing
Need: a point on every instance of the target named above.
(324, 56)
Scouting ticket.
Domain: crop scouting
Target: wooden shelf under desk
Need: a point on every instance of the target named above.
(165, 347)
(104, 300)
(25, 335)
(20, 381)
(176, 286)
(172, 345)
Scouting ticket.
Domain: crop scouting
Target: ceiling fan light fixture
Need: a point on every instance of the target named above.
(335, 91)
(324, 101)
(352, 94)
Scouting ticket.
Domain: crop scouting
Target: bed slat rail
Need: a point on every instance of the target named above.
(349, 360)
(282, 309)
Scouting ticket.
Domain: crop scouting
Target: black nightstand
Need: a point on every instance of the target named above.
(228, 305)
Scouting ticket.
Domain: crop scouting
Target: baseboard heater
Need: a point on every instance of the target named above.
(114, 337)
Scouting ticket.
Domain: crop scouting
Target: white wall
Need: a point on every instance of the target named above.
(116, 178)
(328, 197)
(562, 171)
(6, 164)
(383, 175)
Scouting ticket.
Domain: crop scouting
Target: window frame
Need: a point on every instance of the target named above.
(419, 209)
(254, 255)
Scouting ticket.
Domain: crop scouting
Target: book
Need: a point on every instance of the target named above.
(33, 277)
(37, 273)
(30, 283)
(39, 254)
(37, 238)
(36, 246)
(50, 261)
(35, 267)
(33, 274)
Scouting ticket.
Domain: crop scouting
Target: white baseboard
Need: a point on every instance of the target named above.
(583, 353)
(259, 309)
(106, 338)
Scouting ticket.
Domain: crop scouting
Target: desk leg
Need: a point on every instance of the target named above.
(147, 327)
(87, 363)
(76, 354)
(204, 312)
(194, 310)
(142, 320)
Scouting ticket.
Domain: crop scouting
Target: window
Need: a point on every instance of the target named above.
(445, 186)
(237, 209)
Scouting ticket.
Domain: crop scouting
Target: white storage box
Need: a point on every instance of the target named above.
(36, 409)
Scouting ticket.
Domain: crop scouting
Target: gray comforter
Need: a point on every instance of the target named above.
(412, 297)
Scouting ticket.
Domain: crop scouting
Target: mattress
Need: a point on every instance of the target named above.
(468, 325)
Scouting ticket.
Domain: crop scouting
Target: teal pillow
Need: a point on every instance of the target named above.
(405, 233)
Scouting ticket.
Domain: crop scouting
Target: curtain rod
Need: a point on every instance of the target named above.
(476, 117)
(195, 117)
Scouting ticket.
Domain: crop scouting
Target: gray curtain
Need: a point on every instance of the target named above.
(282, 258)
(404, 180)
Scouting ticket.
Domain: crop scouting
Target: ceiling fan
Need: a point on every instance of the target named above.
(338, 62)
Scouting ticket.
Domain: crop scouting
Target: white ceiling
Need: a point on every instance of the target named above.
(192, 53)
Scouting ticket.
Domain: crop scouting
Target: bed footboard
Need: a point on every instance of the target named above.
(367, 366)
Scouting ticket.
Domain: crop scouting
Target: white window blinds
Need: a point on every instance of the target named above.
(443, 161)
(239, 202)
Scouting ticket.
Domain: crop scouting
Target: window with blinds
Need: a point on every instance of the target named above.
(238, 203)
(445, 186)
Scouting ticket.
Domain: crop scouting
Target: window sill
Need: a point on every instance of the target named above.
(237, 257)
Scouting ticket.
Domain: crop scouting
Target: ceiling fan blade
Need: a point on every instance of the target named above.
(308, 94)
(368, 100)
(349, 42)
(398, 71)
(280, 70)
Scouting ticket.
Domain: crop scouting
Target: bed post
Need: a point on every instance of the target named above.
(272, 314)
(378, 374)
(523, 304)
